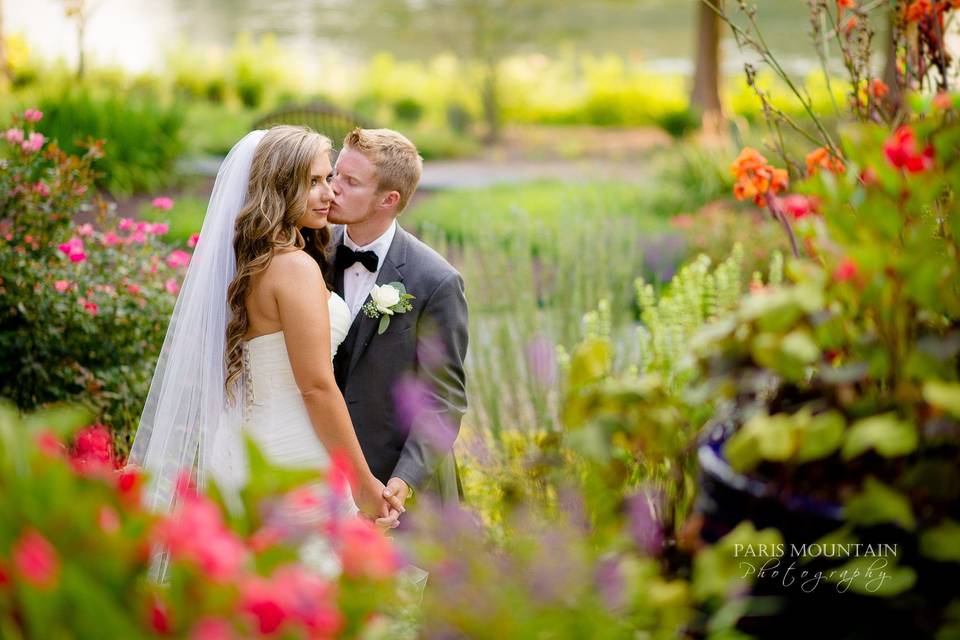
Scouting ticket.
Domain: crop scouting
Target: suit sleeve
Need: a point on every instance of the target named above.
(442, 335)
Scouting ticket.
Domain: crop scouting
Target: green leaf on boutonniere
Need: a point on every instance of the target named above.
(384, 323)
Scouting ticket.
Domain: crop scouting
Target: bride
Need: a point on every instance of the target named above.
(250, 344)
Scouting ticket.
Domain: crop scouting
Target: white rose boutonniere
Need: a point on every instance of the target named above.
(386, 301)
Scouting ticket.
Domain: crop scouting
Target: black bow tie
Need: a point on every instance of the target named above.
(347, 257)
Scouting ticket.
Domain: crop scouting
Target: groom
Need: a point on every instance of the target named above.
(404, 387)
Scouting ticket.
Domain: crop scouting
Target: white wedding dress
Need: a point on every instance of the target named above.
(275, 415)
(276, 419)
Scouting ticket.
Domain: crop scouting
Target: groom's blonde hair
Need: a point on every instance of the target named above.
(394, 157)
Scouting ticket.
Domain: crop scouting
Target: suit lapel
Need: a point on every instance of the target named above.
(389, 272)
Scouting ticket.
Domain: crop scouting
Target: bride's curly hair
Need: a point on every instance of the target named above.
(276, 199)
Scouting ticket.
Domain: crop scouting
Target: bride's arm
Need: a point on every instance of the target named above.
(301, 296)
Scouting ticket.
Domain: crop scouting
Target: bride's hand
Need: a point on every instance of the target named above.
(368, 495)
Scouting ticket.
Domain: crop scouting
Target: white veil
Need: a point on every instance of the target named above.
(187, 425)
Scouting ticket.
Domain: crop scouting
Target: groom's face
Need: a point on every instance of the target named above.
(356, 193)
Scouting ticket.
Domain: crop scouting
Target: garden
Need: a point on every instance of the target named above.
(721, 400)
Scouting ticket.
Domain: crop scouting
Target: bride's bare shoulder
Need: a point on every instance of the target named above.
(294, 266)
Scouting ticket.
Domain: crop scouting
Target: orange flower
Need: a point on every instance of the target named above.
(942, 100)
(879, 88)
(851, 25)
(755, 178)
(821, 158)
(845, 4)
(918, 10)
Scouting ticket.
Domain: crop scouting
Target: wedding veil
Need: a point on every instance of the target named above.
(187, 425)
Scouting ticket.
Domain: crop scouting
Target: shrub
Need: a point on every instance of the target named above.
(143, 136)
(76, 549)
(83, 310)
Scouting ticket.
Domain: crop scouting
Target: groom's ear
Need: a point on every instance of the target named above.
(390, 199)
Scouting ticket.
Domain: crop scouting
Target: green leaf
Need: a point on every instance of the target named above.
(886, 434)
(945, 395)
(384, 323)
(879, 504)
(821, 436)
(399, 286)
(942, 542)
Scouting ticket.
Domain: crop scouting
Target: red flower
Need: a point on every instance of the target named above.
(160, 617)
(901, 151)
(365, 552)
(258, 600)
(845, 4)
(5, 580)
(129, 484)
(846, 270)
(36, 560)
(92, 450)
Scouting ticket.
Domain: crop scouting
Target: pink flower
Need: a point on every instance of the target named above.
(160, 617)
(194, 239)
(133, 289)
(49, 445)
(164, 203)
(258, 601)
(32, 115)
(846, 270)
(110, 239)
(138, 237)
(89, 307)
(172, 286)
(74, 249)
(799, 206)
(177, 259)
(212, 629)
(195, 533)
(365, 552)
(36, 560)
(108, 520)
(14, 135)
(42, 189)
(158, 229)
(85, 230)
(61, 285)
(34, 142)
(125, 224)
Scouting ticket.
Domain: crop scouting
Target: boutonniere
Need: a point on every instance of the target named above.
(387, 300)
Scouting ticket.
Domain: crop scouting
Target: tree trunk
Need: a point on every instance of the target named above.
(894, 99)
(491, 101)
(81, 29)
(705, 95)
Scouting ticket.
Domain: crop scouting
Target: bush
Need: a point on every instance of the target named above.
(76, 549)
(83, 310)
(143, 137)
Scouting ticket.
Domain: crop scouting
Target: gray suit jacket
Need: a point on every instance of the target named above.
(405, 389)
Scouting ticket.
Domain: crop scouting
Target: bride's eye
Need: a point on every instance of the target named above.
(313, 182)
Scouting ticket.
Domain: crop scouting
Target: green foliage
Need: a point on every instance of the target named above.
(143, 135)
(66, 286)
(77, 548)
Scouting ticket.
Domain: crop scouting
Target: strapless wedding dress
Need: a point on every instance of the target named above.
(275, 415)
(276, 419)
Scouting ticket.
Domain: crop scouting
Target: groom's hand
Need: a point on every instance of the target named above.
(396, 493)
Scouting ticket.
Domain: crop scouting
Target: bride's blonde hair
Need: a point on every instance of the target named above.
(276, 199)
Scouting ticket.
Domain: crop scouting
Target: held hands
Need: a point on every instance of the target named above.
(382, 504)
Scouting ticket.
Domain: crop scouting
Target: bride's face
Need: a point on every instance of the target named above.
(320, 196)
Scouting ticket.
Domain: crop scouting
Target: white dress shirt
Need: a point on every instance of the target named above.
(357, 281)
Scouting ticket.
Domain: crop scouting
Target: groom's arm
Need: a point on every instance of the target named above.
(441, 349)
